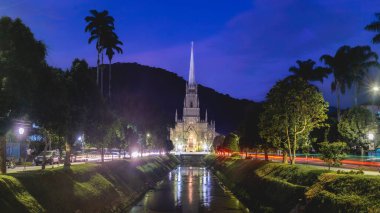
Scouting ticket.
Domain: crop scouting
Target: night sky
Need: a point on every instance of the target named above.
(241, 47)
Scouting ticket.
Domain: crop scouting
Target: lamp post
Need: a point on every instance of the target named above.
(21, 131)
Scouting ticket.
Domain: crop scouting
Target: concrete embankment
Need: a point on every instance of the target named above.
(111, 186)
(275, 187)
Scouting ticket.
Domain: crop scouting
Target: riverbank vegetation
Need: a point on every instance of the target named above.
(276, 187)
(86, 187)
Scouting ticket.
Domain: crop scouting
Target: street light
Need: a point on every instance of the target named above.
(21, 131)
(205, 147)
(375, 88)
(371, 136)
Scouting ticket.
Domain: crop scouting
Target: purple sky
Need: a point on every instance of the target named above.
(241, 47)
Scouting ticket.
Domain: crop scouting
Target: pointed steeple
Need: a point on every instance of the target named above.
(206, 115)
(176, 116)
(191, 71)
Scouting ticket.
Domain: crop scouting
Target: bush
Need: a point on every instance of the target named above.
(344, 193)
(351, 172)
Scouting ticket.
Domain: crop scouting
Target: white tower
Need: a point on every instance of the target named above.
(191, 111)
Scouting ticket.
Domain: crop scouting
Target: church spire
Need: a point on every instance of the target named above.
(191, 71)
(176, 115)
(206, 115)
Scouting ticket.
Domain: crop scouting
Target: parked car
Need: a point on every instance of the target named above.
(51, 158)
(79, 157)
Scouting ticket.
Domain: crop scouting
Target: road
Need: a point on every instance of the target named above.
(368, 167)
(31, 168)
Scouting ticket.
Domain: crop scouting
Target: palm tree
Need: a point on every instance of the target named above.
(375, 27)
(349, 66)
(99, 25)
(362, 59)
(111, 45)
(308, 72)
(339, 65)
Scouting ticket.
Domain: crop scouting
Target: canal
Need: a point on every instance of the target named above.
(189, 189)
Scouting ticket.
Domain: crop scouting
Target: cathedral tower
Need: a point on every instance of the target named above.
(191, 111)
(191, 134)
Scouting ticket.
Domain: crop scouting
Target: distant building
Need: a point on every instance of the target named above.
(191, 134)
(15, 148)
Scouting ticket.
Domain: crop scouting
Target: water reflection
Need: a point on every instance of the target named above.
(189, 189)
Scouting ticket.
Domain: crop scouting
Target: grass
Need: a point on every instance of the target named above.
(277, 187)
(85, 187)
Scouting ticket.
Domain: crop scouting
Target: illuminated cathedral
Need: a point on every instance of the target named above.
(191, 134)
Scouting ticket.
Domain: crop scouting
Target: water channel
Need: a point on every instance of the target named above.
(189, 189)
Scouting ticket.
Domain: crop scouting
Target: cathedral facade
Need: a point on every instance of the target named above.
(191, 134)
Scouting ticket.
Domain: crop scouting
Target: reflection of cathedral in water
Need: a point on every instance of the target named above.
(195, 189)
(191, 134)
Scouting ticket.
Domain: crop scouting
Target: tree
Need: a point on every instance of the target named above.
(362, 60)
(100, 25)
(349, 66)
(292, 110)
(306, 145)
(83, 103)
(355, 126)
(231, 142)
(22, 57)
(218, 142)
(111, 45)
(375, 27)
(168, 146)
(308, 72)
(339, 65)
(115, 134)
(249, 130)
(332, 153)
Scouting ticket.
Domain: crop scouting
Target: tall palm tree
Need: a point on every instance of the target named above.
(111, 45)
(99, 25)
(308, 72)
(362, 59)
(375, 27)
(339, 66)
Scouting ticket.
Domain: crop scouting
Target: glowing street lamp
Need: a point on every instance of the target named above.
(371, 136)
(204, 147)
(21, 131)
(375, 88)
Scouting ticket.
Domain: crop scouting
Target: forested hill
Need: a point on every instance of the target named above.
(149, 97)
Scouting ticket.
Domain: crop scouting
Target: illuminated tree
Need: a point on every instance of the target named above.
(292, 110)
(231, 142)
(332, 153)
(22, 58)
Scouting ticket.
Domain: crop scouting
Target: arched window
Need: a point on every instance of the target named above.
(191, 104)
